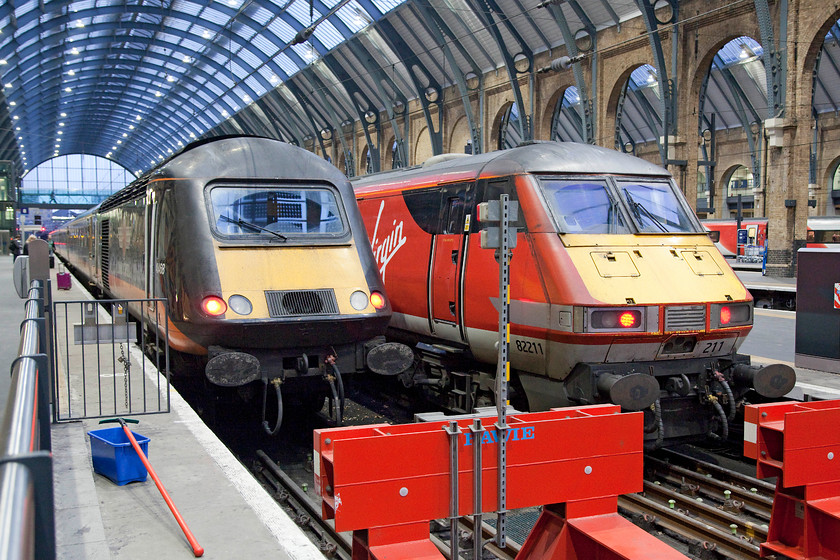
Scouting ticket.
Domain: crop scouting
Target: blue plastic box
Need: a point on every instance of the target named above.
(114, 457)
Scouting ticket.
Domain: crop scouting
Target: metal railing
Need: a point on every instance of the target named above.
(95, 375)
(27, 517)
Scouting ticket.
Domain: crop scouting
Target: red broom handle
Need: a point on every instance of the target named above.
(197, 549)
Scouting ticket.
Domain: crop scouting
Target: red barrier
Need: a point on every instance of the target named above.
(799, 443)
(386, 482)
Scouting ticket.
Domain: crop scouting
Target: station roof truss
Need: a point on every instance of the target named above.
(136, 80)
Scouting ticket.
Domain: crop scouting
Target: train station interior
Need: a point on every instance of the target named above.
(697, 332)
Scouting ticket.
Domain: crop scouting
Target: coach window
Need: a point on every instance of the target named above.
(583, 206)
(253, 211)
(656, 208)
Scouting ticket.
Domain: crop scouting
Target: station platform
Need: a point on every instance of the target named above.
(228, 512)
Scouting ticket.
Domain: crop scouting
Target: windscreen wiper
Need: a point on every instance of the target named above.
(242, 223)
(639, 206)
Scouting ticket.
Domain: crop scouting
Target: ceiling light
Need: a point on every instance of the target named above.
(206, 34)
(3, 61)
(192, 135)
(186, 58)
(246, 99)
(170, 78)
(17, 128)
(60, 132)
(131, 127)
(58, 145)
(8, 85)
(113, 147)
(12, 103)
(169, 150)
(158, 94)
(63, 115)
(139, 117)
(125, 134)
(74, 50)
(20, 137)
(71, 73)
(80, 24)
(119, 142)
(67, 89)
(16, 118)
(274, 79)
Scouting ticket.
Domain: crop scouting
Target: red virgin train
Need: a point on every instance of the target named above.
(617, 294)
(823, 231)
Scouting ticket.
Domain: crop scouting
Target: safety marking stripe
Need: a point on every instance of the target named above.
(750, 432)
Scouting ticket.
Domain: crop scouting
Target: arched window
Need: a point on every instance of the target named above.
(567, 123)
(510, 134)
(740, 184)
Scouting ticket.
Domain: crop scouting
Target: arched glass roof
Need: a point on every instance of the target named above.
(135, 80)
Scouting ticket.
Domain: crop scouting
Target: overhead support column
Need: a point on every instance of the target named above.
(395, 108)
(368, 116)
(585, 110)
(485, 10)
(340, 127)
(438, 28)
(787, 140)
(667, 87)
(430, 94)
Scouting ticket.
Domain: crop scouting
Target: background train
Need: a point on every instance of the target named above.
(259, 250)
(823, 231)
(617, 294)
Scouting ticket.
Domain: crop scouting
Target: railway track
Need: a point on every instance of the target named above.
(703, 509)
(717, 512)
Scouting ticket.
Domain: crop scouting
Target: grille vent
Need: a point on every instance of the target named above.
(288, 303)
(685, 318)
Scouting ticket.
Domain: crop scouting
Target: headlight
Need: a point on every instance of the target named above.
(359, 300)
(618, 319)
(240, 304)
(731, 315)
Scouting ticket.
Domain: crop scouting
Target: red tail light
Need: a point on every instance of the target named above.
(725, 315)
(629, 319)
(214, 305)
(377, 300)
(615, 319)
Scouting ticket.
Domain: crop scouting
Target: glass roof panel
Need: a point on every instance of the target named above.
(386, 6)
(289, 67)
(354, 16)
(643, 76)
(328, 34)
(282, 30)
(738, 51)
(299, 9)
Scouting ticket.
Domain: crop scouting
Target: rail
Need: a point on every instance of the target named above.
(27, 522)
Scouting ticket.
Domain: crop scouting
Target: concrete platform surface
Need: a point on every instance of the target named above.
(229, 513)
